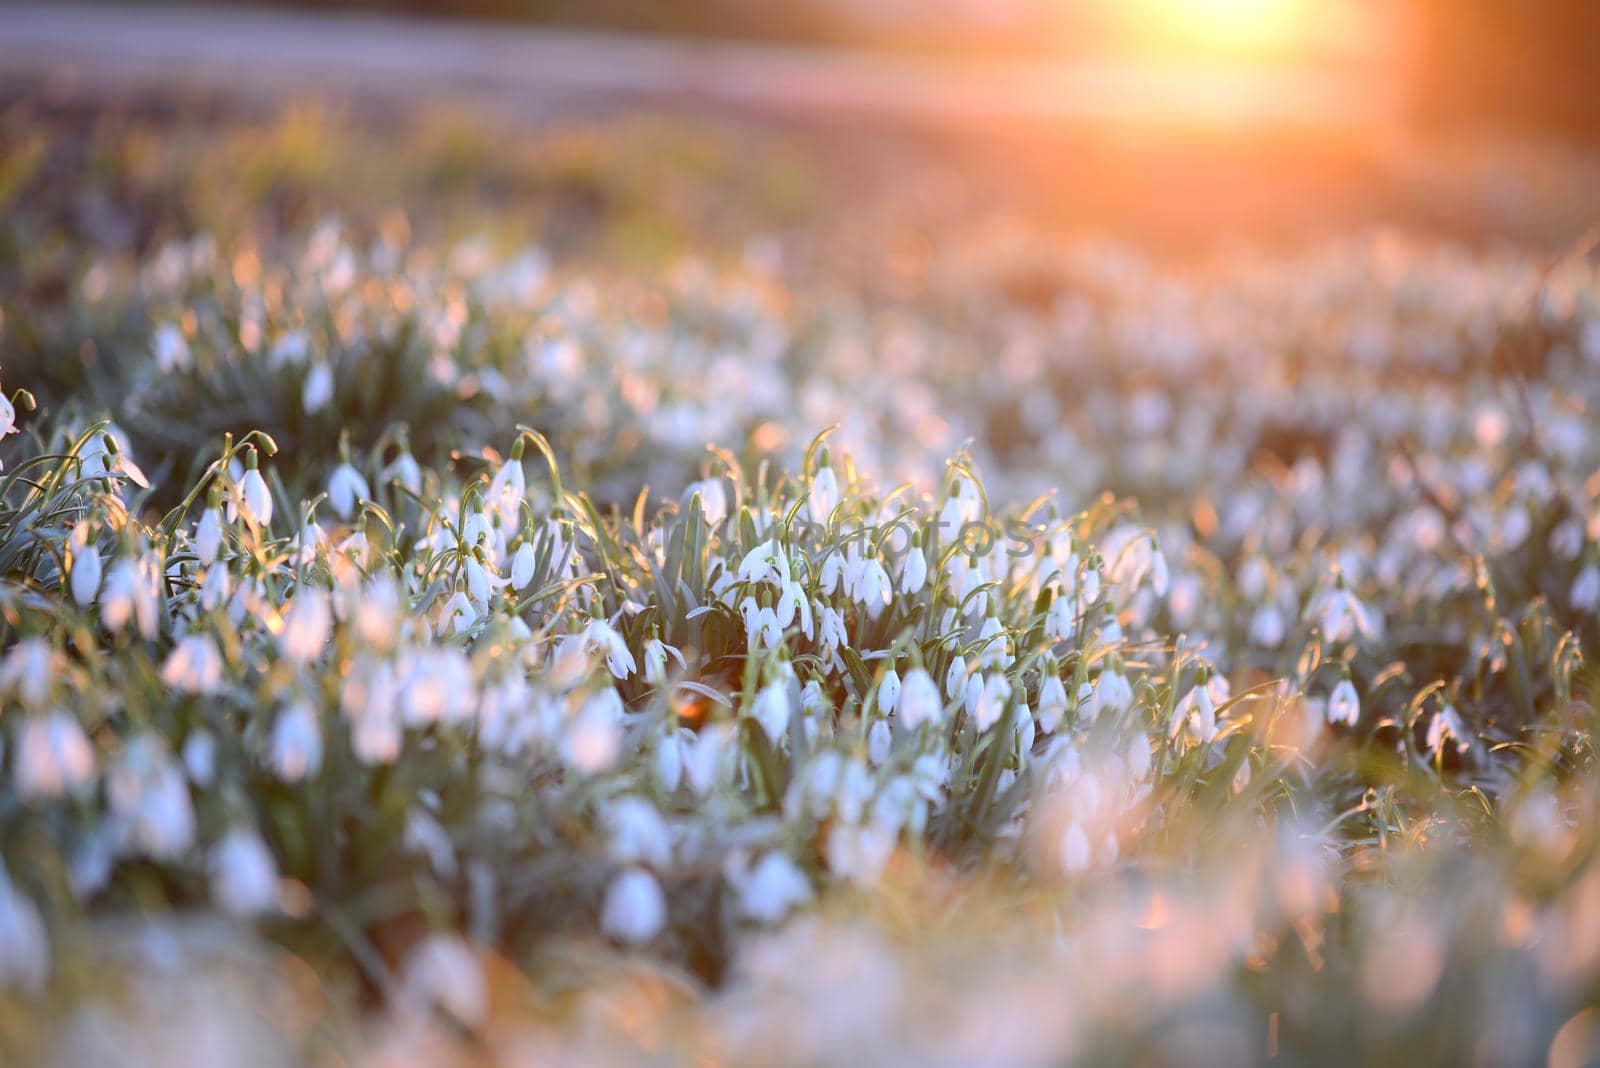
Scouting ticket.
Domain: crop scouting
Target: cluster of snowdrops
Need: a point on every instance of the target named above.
(405, 709)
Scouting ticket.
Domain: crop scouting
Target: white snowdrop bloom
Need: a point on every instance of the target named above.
(635, 909)
(317, 393)
(1061, 621)
(24, 942)
(199, 755)
(858, 853)
(765, 563)
(194, 665)
(593, 737)
(1074, 849)
(479, 586)
(307, 625)
(85, 574)
(1198, 711)
(713, 499)
(955, 678)
(507, 489)
(171, 349)
(1112, 693)
(772, 709)
(1052, 702)
(1138, 758)
(1160, 577)
(215, 588)
(1585, 595)
(832, 573)
(704, 757)
(377, 614)
(523, 563)
(995, 650)
(208, 536)
(762, 629)
(252, 499)
(889, 691)
(879, 740)
(972, 695)
(824, 495)
(636, 833)
(1341, 616)
(347, 488)
(991, 703)
(244, 875)
(442, 972)
(459, 614)
(27, 671)
(656, 655)
(150, 800)
(129, 594)
(770, 889)
(602, 636)
(669, 758)
(1267, 627)
(919, 701)
(8, 417)
(831, 631)
(1344, 706)
(405, 471)
(375, 735)
(793, 603)
(914, 573)
(53, 757)
(1445, 726)
(295, 750)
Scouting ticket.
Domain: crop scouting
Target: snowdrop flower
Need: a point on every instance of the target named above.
(508, 487)
(1112, 693)
(772, 709)
(24, 943)
(879, 739)
(523, 562)
(317, 393)
(295, 752)
(765, 563)
(252, 498)
(636, 833)
(793, 603)
(703, 757)
(1344, 706)
(53, 758)
(601, 635)
(27, 671)
(244, 875)
(194, 665)
(1585, 595)
(85, 568)
(824, 493)
(994, 650)
(129, 594)
(1052, 702)
(1074, 849)
(769, 890)
(955, 678)
(307, 625)
(889, 691)
(1341, 616)
(8, 417)
(171, 349)
(656, 653)
(208, 536)
(713, 499)
(347, 488)
(459, 613)
(1198, 711)
(1267, 627)
(593, 739)
(199, 755)
(404, 471)
(635, 909)
(443, 972)
(991, 701)
(1446, 724)
(914, 573)
(215, 588)
(150, 800)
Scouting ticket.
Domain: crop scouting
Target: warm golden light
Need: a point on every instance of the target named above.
(1228, 28)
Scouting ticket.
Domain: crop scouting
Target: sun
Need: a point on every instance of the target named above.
(1225, 28)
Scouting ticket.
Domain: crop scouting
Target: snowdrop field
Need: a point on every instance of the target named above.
(435, 635)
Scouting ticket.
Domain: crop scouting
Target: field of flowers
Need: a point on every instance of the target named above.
(431, 638)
